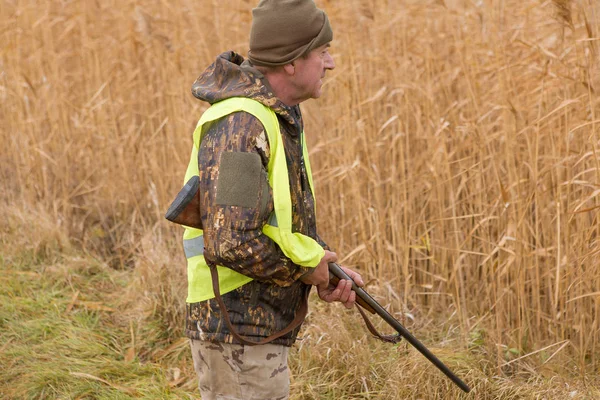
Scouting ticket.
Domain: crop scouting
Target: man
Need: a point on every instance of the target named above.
(259, 247)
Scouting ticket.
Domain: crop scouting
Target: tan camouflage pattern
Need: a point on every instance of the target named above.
(238, 372)
(233, 235)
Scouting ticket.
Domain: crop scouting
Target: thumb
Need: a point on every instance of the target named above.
(330, 256)
(322, 288)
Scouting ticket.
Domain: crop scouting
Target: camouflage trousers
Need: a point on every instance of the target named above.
(237, 372)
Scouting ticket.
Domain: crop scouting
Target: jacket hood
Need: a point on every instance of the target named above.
(231, 76)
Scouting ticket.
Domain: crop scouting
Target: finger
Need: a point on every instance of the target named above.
(351, 300)
(337, 293)
(346, 290)
(323, 293)
(359, 280)
(328, 294)
(323, 288)
(355, 276)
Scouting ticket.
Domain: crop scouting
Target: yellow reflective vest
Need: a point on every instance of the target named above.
(301, 249)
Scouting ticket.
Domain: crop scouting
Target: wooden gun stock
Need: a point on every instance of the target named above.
(185, 209)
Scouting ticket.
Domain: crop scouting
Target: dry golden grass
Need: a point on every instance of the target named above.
(454, 150)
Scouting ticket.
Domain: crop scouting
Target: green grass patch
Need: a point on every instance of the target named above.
(62, 335)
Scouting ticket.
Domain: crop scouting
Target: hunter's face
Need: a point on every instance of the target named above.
(310, 71)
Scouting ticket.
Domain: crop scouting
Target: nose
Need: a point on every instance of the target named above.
(329, 63)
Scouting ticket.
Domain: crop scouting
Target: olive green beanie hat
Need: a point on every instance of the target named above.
(284, 30)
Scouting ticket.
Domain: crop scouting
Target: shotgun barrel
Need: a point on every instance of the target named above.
(374, 307)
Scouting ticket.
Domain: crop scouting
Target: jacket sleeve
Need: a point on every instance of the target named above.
(324, 245)
(237, 201)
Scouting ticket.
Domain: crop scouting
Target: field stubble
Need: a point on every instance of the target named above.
(455, 159)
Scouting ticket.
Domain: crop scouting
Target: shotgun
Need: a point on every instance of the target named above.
(185, 210)
(364, 300)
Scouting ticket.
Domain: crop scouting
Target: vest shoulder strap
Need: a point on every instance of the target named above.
(264, 114)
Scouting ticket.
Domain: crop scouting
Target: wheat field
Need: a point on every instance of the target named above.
(456, 160)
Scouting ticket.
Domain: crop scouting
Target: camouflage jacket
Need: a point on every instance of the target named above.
(233, 225)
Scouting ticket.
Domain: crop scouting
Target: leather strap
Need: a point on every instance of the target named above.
(296, 322)
(385, 338)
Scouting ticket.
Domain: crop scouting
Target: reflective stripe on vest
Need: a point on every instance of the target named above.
(193, 247)
(301, 249)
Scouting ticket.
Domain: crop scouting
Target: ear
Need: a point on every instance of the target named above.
(289, 69)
